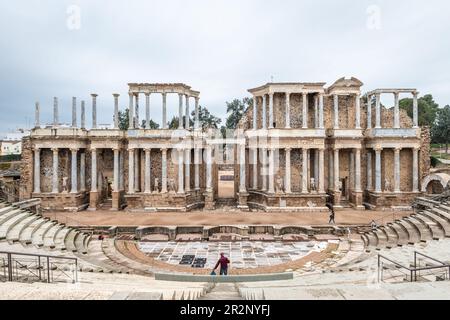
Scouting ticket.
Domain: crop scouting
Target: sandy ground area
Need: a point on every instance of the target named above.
(220, 217)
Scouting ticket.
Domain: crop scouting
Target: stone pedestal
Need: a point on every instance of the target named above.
(116, 203)
(358, 200)
(210, 204)
(337, 199)
(93, 200)
(242, 200)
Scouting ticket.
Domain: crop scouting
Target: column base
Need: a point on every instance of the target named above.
(336, 198)
(210, 204)
(243, 198)
(117, 200)
(93, 200)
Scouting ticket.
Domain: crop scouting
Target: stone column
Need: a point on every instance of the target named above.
(131, 112)
(396, 110)
(37, 121)
(74, 112)
(270, 110)
(358, 170)
(415, 110)
(378, 111)
(264, 120)
(321, 170)
(83, 171)
(271, 170)
(147, 110)
(137, 165)
(187, 118)
(321, 122)
(369, 112)
(131, 171)
(242, 177)
(55, 112)
(316, 166)
(397, 169)
(305, 110)
(180, 111)
(415, 169)
(164, 111)
(197, 168)
(148, 165)
(287, 179)
(336, 111)
(351, 175)
(83, 115)
(378, 169)
(197, 114)
(264, 169)
(164, 171)
(255, 113)
(180, 171)
(369, 170)
(94, 184)
(116, 110)
(55, 180)
(137, 123)
(316, 111)
(121, 170)
(94, 110)
(330, 169)
(37, 170)
(209, 169)
(358, 112)
(336, 170)
(288, 110)
(116, 171)
(305, 170)
(187, 180)
(74, 170)
(255, 168)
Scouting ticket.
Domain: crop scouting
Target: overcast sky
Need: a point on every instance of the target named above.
(221, 48)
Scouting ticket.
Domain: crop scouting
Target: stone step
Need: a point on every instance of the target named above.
(8, 215)
(372, 240)
(49, 236)
(6, 210)
(424, 231)
(14, 233)
(223, 291)
(97, 257)
(26, 234)
(60, 238)
(79, 243)
(392, 236)
(11, 222)
(109, 249)
(414, 235)
(435, 229)
(382, 238)
(37, 236)
(442, 213)
(69, 241)
(402, 234)
(442, 223)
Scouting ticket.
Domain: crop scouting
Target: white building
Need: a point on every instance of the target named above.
(12, 142)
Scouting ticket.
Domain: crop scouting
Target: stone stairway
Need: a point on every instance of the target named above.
(430, 222)
(223, 291)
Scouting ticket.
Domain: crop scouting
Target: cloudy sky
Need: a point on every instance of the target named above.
(219, 47)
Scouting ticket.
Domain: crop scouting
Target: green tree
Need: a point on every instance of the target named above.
(235, 111)
(206, 119)
(428, 109)
(153, 124)
(440, 132)
(173, 124)
(124, 119)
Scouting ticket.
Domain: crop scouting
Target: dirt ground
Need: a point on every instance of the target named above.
(220, 217)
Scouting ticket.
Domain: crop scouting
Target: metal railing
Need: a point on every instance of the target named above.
(37, 268)
(416, 271)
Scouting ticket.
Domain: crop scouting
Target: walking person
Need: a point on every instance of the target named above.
(223, 262)
(332, 216)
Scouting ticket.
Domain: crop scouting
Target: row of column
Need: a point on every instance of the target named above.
(184, 175)
(378, 151)
(268, 160)
(55, 174)
(396, 110)
(182, 112)
(318, 109)
(355, 169)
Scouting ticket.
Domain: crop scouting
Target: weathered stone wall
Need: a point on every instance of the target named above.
(26, 170)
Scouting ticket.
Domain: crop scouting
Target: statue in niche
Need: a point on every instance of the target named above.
(64, 184)
(172, 186)
(279, 184)
(156, 186)
(312, 185)
(387, 185)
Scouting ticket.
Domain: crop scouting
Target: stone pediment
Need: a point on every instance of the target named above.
(346, 84)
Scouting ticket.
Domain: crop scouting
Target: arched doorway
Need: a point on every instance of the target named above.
(435, 183)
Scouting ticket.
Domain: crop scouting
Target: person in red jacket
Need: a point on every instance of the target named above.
(223, 261)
